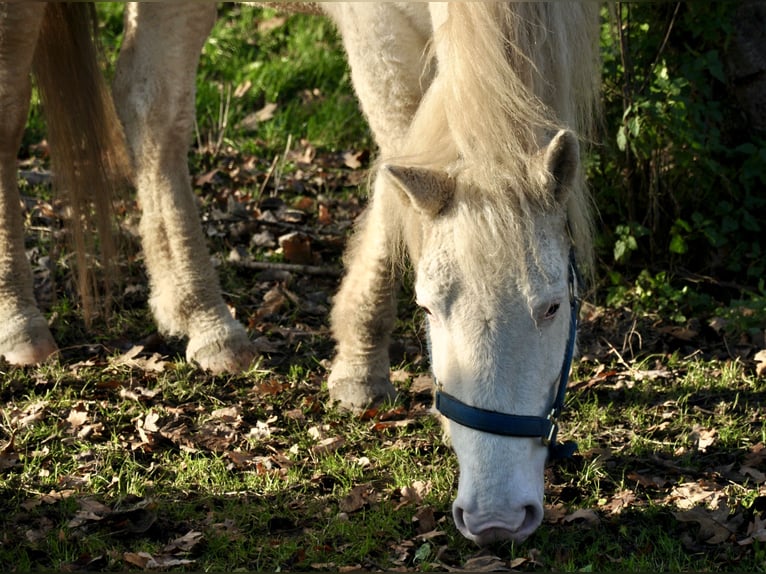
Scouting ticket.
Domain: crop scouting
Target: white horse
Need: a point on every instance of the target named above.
(477, 109)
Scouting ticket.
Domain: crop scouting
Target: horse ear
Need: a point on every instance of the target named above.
(561, 160)
(429, 190)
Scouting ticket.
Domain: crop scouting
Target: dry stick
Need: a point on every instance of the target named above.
(291, 267)
(266, 179)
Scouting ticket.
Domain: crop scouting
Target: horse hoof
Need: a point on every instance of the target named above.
(28, 346)
(233, 354)
(356, 395)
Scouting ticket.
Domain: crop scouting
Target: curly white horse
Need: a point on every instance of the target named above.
(478, 110)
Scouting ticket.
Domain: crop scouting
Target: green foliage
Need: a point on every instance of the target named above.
(746, 316)
(655, 293)
(679, 177)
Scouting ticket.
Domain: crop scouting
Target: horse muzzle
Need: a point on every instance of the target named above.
(516, 525)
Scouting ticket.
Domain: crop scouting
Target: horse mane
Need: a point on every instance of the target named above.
(509, 76)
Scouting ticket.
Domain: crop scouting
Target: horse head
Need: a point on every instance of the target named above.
(495, 279)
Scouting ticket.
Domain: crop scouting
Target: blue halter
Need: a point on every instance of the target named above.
(494, 422)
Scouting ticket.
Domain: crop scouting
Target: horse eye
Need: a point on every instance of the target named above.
(550, 313)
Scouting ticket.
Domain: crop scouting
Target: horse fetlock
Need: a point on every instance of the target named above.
(27, 342)
(357, 386)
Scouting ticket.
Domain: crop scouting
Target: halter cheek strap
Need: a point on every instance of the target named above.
(505, 424)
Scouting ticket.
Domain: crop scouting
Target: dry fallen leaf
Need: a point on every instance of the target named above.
(756, 531)
(688, 495)
(185, 543)
(716, 526)
(760, 362)
(583, 516)
(329, 444)
(757, 476)
(357, 498)
(425, 520)
(704, 437)
(353, 159)
(415, 492)
(620, 501)
(296, 248)
(484, 562)
(140, 559)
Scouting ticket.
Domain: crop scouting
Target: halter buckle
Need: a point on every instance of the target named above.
(554, 420)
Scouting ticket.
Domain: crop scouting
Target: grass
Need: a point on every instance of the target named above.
(107, 463)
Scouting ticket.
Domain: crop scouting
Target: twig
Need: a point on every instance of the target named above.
(266, 179)
(620, 360)
(291, 267)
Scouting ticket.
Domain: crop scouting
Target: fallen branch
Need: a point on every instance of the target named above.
(237, 259)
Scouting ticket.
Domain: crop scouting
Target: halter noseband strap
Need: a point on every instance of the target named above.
(504, 424)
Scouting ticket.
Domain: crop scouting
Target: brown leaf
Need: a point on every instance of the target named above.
(330, 444)
(583, 515)
(185, 543)
(757, 476)
(756, 530)
(356, 499)
(554, 513)
(131, 358)
(415, 492)
(8, 456)
(273, 301)
(206, 178)
(353, 159)
(323, 215)
(134, 520)
(266, 26)
(485, 562)
(425, 520)
(620, 501)
(266, 112)
(395, 414)
(760, 362)
(150, 422)
(31, 414)
(231, 414)
(679, 332)
(242, 89)
(77, 417)
(385, 425)
(648, 482)
(716, 526)
(704, 437)
(271, 387)
(690, 494)
(296, 248)
(422, 385)
(140, 559)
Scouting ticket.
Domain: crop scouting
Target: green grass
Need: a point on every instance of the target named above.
(297, 65)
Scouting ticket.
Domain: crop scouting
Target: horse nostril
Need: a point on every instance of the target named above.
(533, 517)
(458, 517)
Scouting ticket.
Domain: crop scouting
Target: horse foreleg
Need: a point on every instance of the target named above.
(154, 93)
(363, 314)
(385, 44)
(24, 334)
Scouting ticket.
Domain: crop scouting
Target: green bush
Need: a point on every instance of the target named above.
(678, 176)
